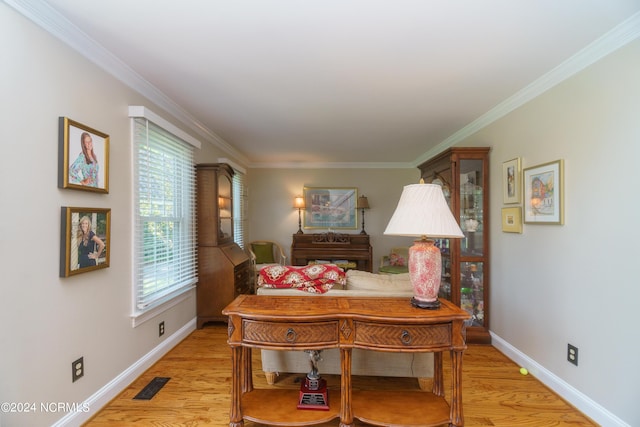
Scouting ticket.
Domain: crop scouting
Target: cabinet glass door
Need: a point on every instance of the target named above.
(225, 208)
(471, 202)
(472, 245)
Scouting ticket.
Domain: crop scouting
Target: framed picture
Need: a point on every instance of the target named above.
(84, 240)
(83, 157)
(512, 220)
(511, 181)
(330, 208)
(544, 193)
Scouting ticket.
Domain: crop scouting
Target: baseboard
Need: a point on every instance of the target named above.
(110, 390)
(582, 402)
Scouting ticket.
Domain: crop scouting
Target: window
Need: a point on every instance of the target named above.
(164, 201)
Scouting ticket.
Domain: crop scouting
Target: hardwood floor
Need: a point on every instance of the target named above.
(198, 394)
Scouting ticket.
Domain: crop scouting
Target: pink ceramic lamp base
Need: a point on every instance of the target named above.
(425, 268)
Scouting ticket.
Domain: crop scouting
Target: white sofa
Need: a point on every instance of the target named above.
(364, 362)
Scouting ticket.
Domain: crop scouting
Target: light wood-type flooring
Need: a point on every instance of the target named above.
(198, 394)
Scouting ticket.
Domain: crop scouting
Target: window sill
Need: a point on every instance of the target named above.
(140, 317)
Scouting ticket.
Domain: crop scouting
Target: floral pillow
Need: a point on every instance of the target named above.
(317, 278)
(397, 260)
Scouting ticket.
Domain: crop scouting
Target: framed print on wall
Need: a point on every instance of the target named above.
(330, 208)
(511, 181)
(83, 157)
(85, 237)
(512, 220)
(544, 193)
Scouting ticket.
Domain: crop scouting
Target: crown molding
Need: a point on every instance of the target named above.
(332, 165)
(45, 16)
(619, 36)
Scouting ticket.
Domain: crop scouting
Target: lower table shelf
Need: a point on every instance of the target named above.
(400, 408)
(279, 408)
(381, 408)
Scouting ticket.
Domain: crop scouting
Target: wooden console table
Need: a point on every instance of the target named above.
(321, 322)
(332, 246)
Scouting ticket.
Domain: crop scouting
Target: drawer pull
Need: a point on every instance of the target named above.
(291, 335)
(405, 337)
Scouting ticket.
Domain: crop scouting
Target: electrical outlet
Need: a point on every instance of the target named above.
(77, 369)
(161, 328)
(572, 354)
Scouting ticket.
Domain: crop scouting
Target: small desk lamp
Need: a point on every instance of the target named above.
(423, 211)
(362, 204)
(298, 203)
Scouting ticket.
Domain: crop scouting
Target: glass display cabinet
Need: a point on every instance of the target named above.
(463, 174)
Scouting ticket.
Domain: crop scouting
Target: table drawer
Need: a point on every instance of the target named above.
(290, 334)
(402, 336)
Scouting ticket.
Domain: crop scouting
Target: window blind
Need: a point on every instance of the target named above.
(164, 245)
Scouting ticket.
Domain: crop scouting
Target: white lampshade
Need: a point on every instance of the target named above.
(423, 211)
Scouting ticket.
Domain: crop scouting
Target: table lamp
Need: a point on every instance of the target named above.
(362, 204)
(423, 211)
(298, 203)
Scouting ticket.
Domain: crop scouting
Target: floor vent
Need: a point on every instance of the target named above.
(152, 388)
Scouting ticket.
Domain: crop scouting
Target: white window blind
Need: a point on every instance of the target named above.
(164, 243)
(239, 208)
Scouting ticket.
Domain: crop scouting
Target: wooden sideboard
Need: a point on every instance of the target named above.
(320, 322)
(330, 247)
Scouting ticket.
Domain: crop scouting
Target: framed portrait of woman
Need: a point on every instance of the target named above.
(85, 240)
(83, 157)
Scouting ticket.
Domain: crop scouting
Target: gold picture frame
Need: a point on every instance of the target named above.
(544, 193)
(512, 219)
(83, 157)
(85, 240)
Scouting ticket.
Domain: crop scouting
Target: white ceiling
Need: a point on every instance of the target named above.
(340, 81)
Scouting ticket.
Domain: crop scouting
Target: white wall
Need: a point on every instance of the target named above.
(271, 193)
(48, 321)
(576, 283)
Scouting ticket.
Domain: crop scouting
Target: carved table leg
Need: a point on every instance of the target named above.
(346, 411)
(438, 379)
(457, 417)
(235, 414)
(247, 369)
